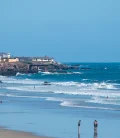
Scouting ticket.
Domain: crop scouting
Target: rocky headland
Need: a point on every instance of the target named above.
(10, 69)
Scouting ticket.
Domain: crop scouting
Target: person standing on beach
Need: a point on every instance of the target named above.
(95, 127)
(95, 124)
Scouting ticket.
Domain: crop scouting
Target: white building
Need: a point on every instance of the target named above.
(4, 55)
(43, 59)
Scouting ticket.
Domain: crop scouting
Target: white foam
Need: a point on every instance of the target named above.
(2, 77)
(21, 81)
(69, 104)
(19, 74)
(98, 96)
(21, 96)
(55, 99)
(104, 100)
(96, 90)
(12, 80)
(88, 86)
(57, 73)
(71, 83)
(83, 86)
(77, 73)
(85, 79)
(70, 88)
(50, 73)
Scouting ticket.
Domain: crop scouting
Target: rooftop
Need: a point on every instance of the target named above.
(45, 57)
(2, 53)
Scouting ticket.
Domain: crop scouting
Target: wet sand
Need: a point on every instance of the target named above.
(5, 133)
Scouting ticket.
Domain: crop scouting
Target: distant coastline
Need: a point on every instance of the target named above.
(10, 66)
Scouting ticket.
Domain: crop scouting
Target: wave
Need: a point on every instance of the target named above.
(69, 104)
(2, 77)
(89, 86)
(20, 81)
(85, 79)
(103, 100)
(78, 85)
(103, 85)
(55, 99)
(34, 97)
(66, 90)
(73, 103)
(58, 73)
(20, 74)
(46, 73)
(77, 73)
(97, 98)
(21, 96)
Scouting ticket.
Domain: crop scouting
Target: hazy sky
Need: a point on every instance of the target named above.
(68, 30)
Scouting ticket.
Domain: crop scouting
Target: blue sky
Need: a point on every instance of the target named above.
(79, 30)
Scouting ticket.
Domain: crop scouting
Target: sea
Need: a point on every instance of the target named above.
(88, 94)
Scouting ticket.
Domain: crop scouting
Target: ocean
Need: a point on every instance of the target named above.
(91, 93)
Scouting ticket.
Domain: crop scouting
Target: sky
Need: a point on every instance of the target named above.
(68, 30)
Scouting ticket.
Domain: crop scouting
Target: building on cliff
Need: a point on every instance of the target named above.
(9, 60)
(25, 59)
(12, 60)
(4, 55)
(44, 59)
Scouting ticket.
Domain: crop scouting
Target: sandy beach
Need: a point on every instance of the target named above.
(5, 133)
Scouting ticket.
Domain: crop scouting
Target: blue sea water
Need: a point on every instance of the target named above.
(90, 93)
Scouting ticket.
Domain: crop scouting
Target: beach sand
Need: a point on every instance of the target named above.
(5, 133)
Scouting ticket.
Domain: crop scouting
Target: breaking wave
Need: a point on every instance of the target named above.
(58, 73)
(69, 104)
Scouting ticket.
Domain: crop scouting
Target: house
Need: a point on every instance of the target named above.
(43, 59)
(4, 55)
(12, 60)
(25, 59)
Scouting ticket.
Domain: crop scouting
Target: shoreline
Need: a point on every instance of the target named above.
(11, 69)
(8, 133)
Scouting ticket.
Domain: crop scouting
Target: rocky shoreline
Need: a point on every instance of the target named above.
(11, 69)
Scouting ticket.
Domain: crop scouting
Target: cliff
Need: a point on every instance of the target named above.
(10, 69)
